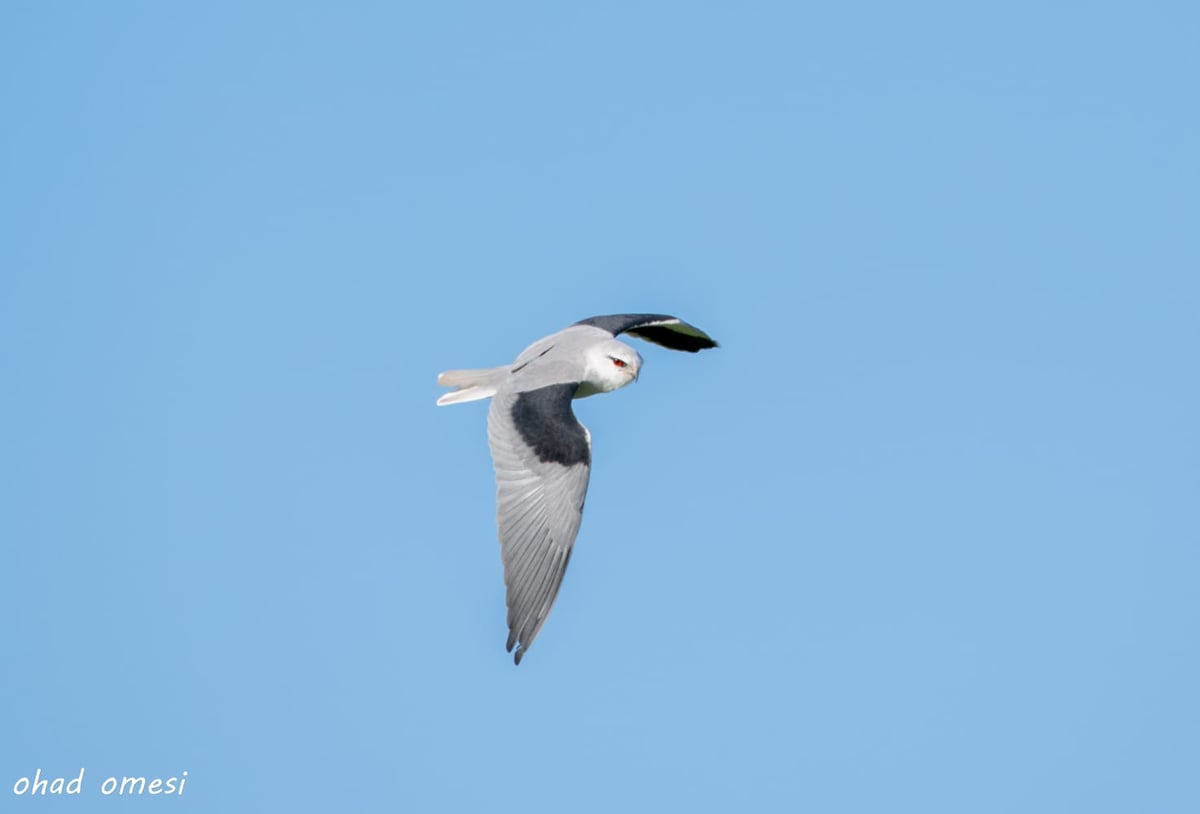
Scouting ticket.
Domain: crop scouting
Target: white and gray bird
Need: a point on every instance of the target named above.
(543, 455)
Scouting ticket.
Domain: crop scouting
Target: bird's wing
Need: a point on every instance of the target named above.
(661, 329)
(542, 456)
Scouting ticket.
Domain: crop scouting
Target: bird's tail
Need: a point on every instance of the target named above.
(470, 385)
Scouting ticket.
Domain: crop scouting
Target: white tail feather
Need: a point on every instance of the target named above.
(471, 385)
(466, 394)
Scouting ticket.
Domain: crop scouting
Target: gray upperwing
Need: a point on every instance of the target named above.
(542, 457)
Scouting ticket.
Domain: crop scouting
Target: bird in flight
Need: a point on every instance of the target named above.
(543, 455)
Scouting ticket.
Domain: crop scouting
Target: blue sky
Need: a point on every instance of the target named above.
(922, 535)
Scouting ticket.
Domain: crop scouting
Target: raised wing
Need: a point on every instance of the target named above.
(542, 456)
(661, 329)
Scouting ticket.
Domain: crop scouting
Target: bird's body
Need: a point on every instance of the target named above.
(542, 454)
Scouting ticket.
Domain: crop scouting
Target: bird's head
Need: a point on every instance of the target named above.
(611, 365)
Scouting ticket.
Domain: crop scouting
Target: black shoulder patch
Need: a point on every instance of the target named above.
(547, 423)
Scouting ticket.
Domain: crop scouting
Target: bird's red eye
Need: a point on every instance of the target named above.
(618, 363)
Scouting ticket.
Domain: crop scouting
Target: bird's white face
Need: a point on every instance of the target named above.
(610, 365)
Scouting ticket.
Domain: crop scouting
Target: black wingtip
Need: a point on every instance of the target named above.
(512, 642)
(669, 337)
(661, 329)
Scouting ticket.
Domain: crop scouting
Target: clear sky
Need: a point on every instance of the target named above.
(923, 535)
